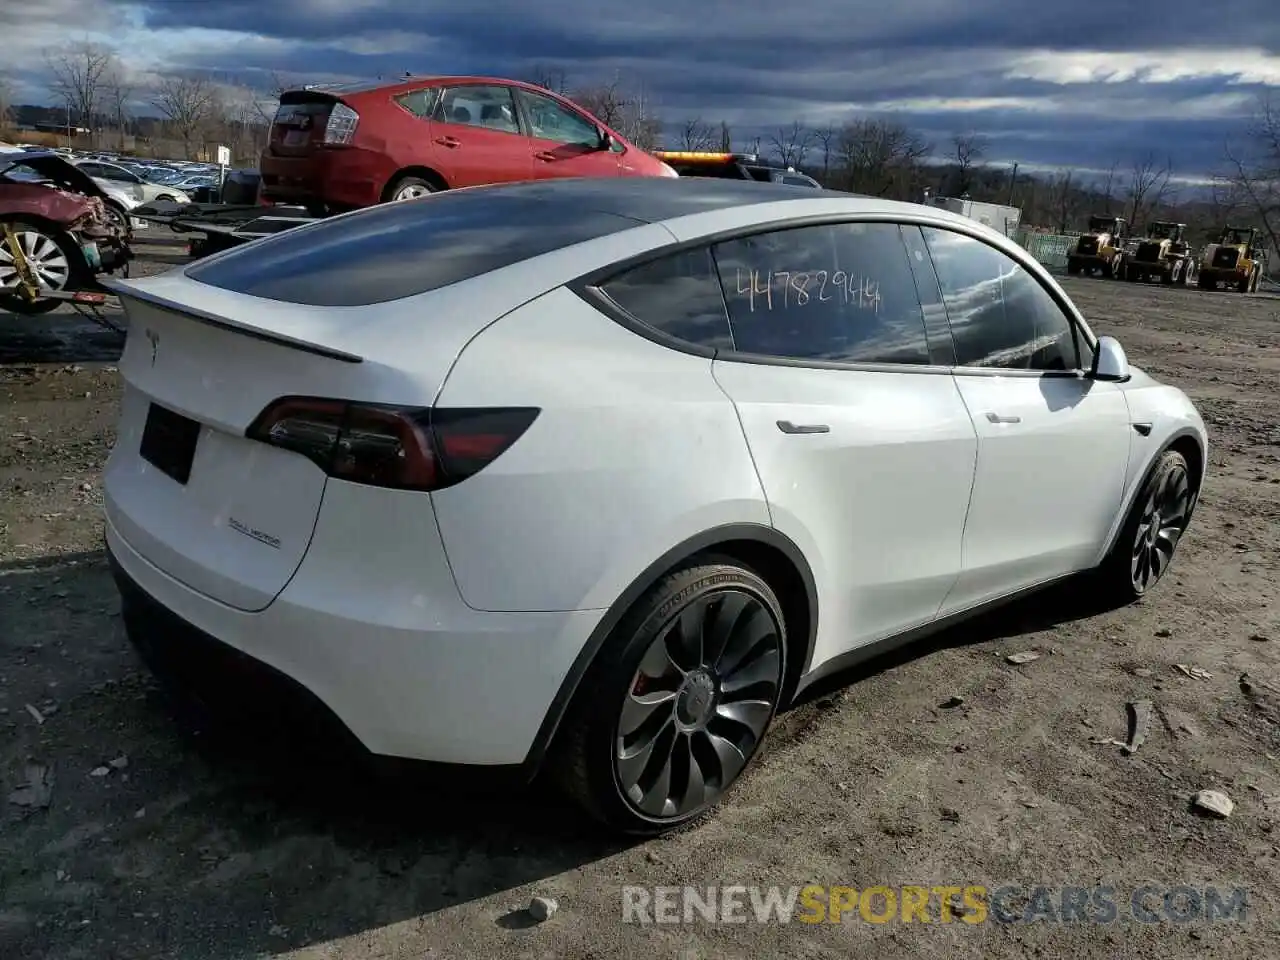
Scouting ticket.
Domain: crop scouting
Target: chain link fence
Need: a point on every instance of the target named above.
(1050, 249)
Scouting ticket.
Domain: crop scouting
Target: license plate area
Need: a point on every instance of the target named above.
(169, 442)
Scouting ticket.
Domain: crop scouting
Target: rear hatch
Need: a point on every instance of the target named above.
(300, 122)
(228, 516)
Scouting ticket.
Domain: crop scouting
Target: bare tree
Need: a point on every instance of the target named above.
(118, 91)
(726, 138)
(697, 135)
(629, 112)
(792, 143)
(6, 102)
(188, 103)
(1109, 184)
(79, 73)
(1254, 174)
(554, 79)
(968, 151)
(1064, 200)
(1146, 188)
(881, 157)
(826, 141)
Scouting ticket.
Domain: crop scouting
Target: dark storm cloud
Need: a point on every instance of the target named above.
(760, 64)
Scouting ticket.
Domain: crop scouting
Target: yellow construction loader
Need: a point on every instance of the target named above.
(1163, 254)
(1235, 260)
(1100, 249)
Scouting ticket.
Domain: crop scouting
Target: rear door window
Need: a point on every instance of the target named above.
(833, 293)
(487, 107)
(419, 102)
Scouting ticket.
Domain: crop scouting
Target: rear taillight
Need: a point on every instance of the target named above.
(406, 448)
(341, 125)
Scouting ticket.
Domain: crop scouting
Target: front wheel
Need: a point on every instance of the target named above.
(53, 256)
(1156, 523)
(682, 694)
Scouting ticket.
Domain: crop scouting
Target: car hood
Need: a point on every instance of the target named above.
(53, 168)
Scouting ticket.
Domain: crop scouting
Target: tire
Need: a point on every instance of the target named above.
(120, 217)
(1253, 287)
(1242, 286)
(1073, 268)
(409, 188)
(696, 717)
(65, 270)
(1140, 558)
(1203, 282)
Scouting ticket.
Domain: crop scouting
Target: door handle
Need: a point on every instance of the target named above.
(450, 142)
(546, 155)
(996, 418)
(786, 426)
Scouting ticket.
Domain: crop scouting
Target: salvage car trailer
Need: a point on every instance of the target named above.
(220, 226)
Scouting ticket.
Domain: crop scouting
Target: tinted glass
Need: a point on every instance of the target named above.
(838, 293)
(489, 107)
(418, 102)
(1000, 315)
(397, 250)
(678, 295)
(550, 120)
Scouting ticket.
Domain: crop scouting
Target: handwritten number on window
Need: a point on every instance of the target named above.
(799, 289)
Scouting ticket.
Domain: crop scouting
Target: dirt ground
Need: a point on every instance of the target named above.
(191, 849)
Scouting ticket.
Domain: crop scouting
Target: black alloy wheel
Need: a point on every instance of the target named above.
(678, 700)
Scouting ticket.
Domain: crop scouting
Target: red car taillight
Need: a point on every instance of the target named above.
(340, 128)
(404, 448)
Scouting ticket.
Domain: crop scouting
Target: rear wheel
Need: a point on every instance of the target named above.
(678, 702)
(51, 254)
(410, 188)
(1242, 286)
(1257, 275)
(1159, 517)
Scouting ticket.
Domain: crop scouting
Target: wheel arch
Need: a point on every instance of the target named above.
(770, 554)
(1185, 441)
(433, 177)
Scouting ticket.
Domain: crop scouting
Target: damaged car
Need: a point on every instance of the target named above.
(58, 232)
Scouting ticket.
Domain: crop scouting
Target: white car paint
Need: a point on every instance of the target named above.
(442, 626)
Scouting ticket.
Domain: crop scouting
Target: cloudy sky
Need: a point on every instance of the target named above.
(1080, 83)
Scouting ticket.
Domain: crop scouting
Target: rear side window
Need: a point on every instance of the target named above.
(419, 102)
(398, 250)
(678, 295)
(841, 292)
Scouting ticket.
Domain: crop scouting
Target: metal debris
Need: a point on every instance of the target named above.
(1195, 673)
(1020, 658)
(36, 715)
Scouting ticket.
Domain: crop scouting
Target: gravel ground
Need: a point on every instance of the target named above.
(157, 842)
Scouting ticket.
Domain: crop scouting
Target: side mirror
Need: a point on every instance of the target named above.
(1110, 362)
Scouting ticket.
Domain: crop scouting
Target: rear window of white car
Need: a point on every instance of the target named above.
(398, 250)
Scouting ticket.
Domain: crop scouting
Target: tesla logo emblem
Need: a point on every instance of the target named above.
(154, 339)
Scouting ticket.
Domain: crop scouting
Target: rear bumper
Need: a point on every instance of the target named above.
(348, 177)
(460, 687)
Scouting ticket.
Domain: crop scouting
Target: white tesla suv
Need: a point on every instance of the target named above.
(598, 474)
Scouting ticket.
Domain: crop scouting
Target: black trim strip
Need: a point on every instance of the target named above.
(126, 292)
(877, 648)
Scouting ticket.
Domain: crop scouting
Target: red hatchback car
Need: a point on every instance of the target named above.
(342, 146)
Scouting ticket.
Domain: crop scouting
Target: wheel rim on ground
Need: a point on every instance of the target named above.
(411, 191)
(44, 257)
(1164, 518)
(698, 704)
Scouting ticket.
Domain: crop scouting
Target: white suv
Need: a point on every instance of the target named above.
(604, 472)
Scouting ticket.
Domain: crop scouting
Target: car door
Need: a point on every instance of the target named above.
(1053, 444)
(863, 445)
(565, 143)
(477, 137)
